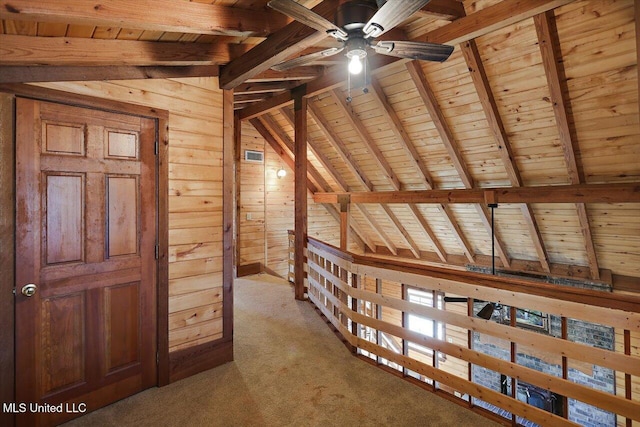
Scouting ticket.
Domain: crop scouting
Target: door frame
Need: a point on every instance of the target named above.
(7, 222)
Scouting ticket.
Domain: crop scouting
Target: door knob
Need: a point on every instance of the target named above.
(29, 290)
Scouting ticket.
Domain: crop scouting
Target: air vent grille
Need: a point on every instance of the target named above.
(253, 156)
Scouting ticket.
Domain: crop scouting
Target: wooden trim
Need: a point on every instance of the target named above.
(7, 255)
(249, 269)
(27, 50)
(228, 213)
(443, 9)
(44, 73)
(237, 141)
(163, 253)
(300, 172)
(193, 360)
(580, 193)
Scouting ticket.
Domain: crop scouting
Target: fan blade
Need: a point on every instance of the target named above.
(391, 14)
(307, 17)
(415, 50)
(306, 59)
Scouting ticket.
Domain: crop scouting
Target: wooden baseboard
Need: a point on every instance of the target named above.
(249, 269)
(191, 361)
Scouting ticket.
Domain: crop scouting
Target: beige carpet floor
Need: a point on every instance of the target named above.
(289, 370)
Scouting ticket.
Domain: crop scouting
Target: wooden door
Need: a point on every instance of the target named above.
(86, 237)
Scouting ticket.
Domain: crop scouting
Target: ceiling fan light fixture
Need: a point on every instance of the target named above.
(356, 52)
(355, 65)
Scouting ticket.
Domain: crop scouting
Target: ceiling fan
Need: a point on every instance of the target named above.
(357, 23)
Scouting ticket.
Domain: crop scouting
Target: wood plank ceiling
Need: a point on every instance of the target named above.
(538, 93)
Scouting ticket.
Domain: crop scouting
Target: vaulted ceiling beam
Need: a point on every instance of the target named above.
(280, 45)
(365, 138)
(339, 146)
(265, 87)
(150, 15)
(580, 193)
(285, 155)
(403, 138)
(285, 141)
(335, 175)
(443, 9)
(299, 73)
(552, 61)
(490, 19)
(429, 99)
(26, 50)
(490, 107)
(44, 73)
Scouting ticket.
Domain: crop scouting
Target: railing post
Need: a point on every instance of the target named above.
(345, 206)
(300, 152)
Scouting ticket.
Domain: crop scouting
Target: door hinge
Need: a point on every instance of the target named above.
(157, 251)
(157, 147)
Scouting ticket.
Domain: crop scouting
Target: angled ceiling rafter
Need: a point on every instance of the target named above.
(430, 102)
(340, 148)
(149, 15)
(403, 138)
(287, 157)
(551, 58)
(378, 156)
(335, 175)
(490, 108)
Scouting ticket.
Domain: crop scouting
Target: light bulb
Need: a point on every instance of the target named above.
(355, 65)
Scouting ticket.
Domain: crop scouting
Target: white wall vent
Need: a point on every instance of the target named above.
(253, 156)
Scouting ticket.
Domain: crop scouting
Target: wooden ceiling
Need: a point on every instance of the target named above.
(536, 94)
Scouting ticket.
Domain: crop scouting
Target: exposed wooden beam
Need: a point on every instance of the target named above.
(457, 233)
(366, 139)
(150, 15)
(429, 99)
(552, 61)
(335, 175)
(280, 45)
(439, 249)
(285, 141)
(271, 104)
(490, 19)
(637, 19)
(431, 103)
(357, 234)
(490, 107)
(26, 50)
(580, 193)
(443, 9)
(403, 138)
(228, 208)
(249, 97)
(301, 164)
(280, 151)
(339, 146)
(415, 250)
(373, 224)
(266, 87)
(299, 73)
(44, 73)
(322, 158)
(400, 133)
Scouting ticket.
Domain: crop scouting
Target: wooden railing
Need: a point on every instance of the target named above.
(350, 291)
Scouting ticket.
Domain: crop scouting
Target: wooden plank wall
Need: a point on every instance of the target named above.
(195, 196)
(252, 208)
(270, 202)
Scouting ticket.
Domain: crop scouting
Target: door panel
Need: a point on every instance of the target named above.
(86, 226)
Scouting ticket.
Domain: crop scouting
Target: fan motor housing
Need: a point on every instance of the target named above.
(352, 15)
